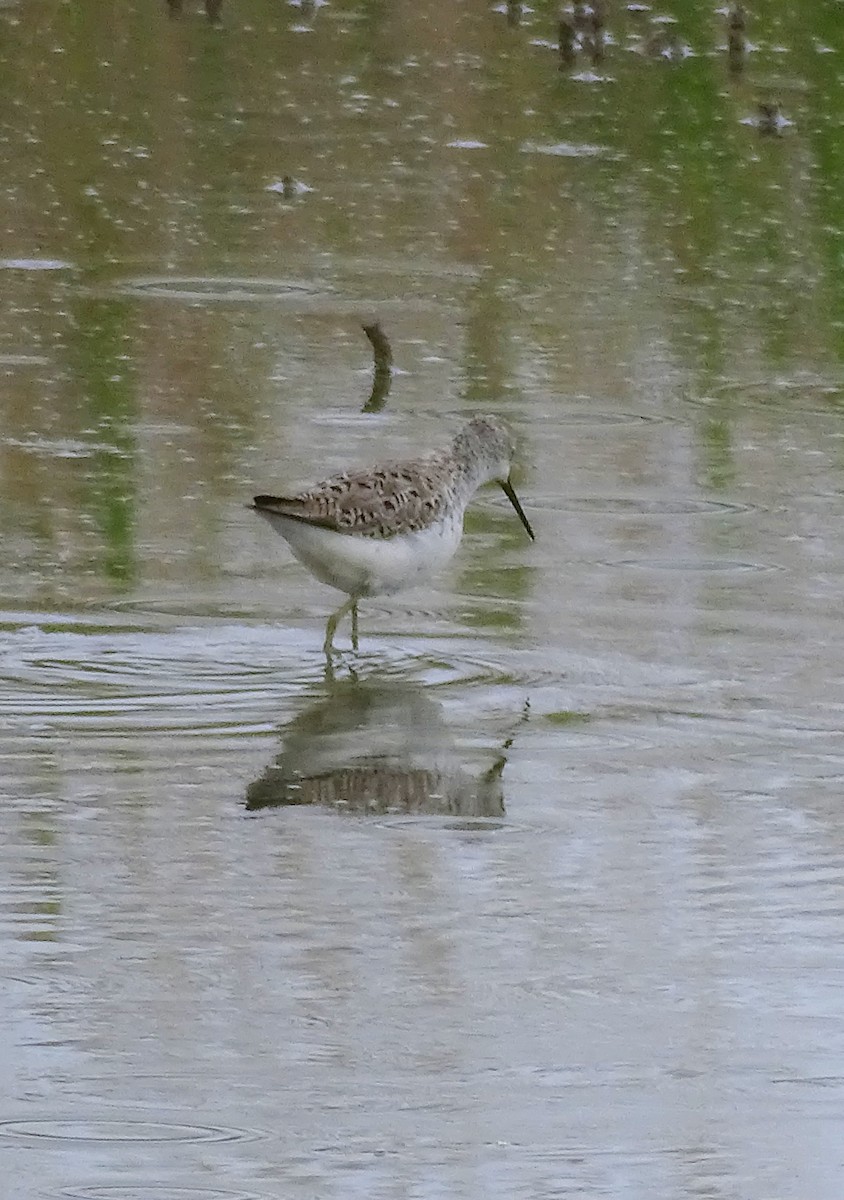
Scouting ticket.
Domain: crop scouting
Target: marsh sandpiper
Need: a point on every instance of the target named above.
(374, 531)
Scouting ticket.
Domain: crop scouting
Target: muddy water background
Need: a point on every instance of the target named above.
(542, 897)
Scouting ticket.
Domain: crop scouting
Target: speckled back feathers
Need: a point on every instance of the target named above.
(402, 497)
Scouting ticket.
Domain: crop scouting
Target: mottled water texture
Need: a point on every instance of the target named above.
(538, 895)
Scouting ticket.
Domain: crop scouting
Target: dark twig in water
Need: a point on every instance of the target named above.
(514, 12)
(582, 14)
(596, 32)
(595, 46)
(212, 10)
(383, 374)
(736, 42)
(597, 19)
(566, 38)
(736, 19)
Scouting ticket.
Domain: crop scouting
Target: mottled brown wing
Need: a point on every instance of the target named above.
(381, 502)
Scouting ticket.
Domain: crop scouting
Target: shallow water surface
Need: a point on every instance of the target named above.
(539, 893)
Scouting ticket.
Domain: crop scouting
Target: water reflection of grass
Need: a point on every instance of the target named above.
(101, 374)
(495, 575)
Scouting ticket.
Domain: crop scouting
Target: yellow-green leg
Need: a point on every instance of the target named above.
(334, 620)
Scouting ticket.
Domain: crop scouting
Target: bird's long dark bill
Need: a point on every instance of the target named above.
(510, 493)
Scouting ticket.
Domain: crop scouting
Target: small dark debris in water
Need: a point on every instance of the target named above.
(288, 187)
(769, 118)
(581, 28)
(664, 42)
(212, 9)
(514, 12)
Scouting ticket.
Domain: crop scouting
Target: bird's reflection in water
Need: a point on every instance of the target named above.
(377, 746)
